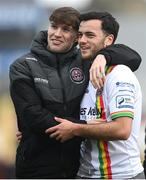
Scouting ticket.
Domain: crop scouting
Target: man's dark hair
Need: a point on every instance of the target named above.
(109, 23)
(66, 15)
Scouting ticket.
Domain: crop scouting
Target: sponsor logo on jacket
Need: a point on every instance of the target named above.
(40, 80)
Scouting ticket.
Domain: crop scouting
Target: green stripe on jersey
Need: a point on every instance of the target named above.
(122, 114)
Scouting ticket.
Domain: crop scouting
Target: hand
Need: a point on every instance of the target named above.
(61, 132)
(97, 71)
(19, 136)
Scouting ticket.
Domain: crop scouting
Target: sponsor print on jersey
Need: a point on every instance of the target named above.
(126, 90)
(90, 113)
(77, 75)
(125, 101)
(124, 84)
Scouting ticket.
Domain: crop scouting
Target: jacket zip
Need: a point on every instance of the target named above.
(62, 86)
(64, 108)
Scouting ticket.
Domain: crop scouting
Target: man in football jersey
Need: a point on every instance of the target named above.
(113, 114)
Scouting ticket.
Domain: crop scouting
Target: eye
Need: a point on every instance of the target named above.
(66, 29)
(90, 36)
(53, 26)
(80, 35)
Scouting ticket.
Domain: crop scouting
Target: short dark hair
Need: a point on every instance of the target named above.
(109, 23)
(66, 15)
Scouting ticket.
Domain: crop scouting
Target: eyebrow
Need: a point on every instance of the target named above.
(87, 32)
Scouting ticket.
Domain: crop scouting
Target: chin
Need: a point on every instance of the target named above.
(56, 50)
(85, 57)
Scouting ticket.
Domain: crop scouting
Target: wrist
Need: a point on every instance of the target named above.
(76, 129)
(106, 55)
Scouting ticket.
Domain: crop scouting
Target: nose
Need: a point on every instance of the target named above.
(58, 32)
(82, 39)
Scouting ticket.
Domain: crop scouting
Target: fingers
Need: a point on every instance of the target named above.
(19, 136)
(97, 71)
(97, 78)
(55, 128)
(59, 119)
(54, 135)
(51, 130)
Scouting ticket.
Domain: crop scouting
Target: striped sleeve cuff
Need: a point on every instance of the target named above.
(119, 114)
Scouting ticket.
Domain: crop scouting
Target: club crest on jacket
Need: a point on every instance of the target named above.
(77, 75)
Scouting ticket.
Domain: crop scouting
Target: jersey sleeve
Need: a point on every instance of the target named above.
(120, 89)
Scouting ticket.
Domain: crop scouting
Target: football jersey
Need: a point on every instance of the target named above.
(121, 97)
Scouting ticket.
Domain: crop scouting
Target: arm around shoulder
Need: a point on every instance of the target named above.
(121, 54)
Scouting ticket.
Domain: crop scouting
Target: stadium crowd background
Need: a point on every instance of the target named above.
(20, 20)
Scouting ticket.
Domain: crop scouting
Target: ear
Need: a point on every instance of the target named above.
(108, 40)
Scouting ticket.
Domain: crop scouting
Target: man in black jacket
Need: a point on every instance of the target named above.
(50, 81)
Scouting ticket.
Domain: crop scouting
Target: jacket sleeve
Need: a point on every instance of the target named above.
(30, 112)
(121, 54)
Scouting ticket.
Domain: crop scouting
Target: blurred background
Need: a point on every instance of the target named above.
(20, 20)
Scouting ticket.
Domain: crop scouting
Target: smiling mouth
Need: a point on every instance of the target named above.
(84, 49)
(56, 41)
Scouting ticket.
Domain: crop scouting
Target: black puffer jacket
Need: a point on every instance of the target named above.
(44, 85)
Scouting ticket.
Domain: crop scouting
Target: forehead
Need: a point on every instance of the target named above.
(90, 25)
(64, 26)
(60, 24)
